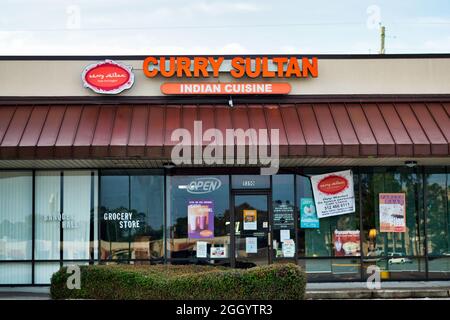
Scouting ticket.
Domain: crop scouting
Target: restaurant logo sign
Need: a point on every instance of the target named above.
(237, 67)
(108, 77)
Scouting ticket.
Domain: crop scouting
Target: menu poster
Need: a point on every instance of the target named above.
(285, 235)
(202, 249)
(218, 252)
(250, 219)
(288, 248)
(346, 243)
(283, 216)
(308, 215)
(333, 193)
(392, 212)
(200, 219)
(251, 245)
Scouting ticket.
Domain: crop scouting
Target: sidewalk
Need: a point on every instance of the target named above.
(344, 290)
(389, 290)
(24, 293)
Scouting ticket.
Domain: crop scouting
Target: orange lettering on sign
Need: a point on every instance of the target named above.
(257, 67)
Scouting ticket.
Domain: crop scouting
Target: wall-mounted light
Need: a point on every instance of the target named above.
(230, 102)
(411, 164)
(372, 233)
(168, 165)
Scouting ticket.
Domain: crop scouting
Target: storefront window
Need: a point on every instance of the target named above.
(438, 224)
(15, 226)
(320, 236)
(198, 218)
(65, 210)
(437, 195)
(48, 215)
(283, 210)
(405, 237)
(392, 224)
(132, 211)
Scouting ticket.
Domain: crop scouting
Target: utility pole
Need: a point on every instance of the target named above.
(383, 35)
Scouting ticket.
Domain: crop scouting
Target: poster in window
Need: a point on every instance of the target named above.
(218, 253)
(285, 235)
(283, 216)
(202, 249)
(251, 245)
(333, 193)
(288, 248)
(346, 243)
(250, 219)
(308, 215)
(392, 212)
(200, 219)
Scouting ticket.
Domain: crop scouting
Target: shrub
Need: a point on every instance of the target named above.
(183, 282)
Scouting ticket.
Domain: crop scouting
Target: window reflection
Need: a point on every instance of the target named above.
(185, 195)
(132, 211)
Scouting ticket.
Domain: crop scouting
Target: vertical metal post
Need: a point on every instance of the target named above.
(33, 227)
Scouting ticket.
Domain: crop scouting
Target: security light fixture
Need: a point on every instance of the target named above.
(230, 102)
(410, 164)
(168, 165)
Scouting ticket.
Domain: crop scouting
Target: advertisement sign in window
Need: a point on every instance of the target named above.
(251, 245)
(346, 243)
(308, 215)
(392, 212)
(200, 219)
(283, 216)
(288, 248)
(333, 193)
(218, 252)
(202, 249)
(250, 219)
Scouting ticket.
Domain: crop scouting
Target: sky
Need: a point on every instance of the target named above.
(170, 27)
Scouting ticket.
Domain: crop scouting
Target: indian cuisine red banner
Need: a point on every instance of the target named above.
(225, 88)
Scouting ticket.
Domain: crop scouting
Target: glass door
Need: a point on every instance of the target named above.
(252, 230)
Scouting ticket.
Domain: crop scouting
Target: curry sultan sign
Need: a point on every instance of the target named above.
(238, 67)
(190, 75)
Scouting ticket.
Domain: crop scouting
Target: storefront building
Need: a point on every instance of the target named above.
(87, 173)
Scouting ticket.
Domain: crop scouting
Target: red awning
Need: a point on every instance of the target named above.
(143, 131)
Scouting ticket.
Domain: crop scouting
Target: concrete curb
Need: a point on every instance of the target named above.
(377, 294)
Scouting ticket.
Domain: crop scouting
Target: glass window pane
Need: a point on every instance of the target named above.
(398, 181)
(48, 215)
(114, 210)
(44, 271)
(332, 269)
(182, 243)
(15, 273)
(15, 215)
(283, 204)
(438, 223)
(78, 209)
(132, 214)
(147, 203)
(319, 241)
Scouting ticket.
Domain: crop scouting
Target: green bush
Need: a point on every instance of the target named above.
(183, 282)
